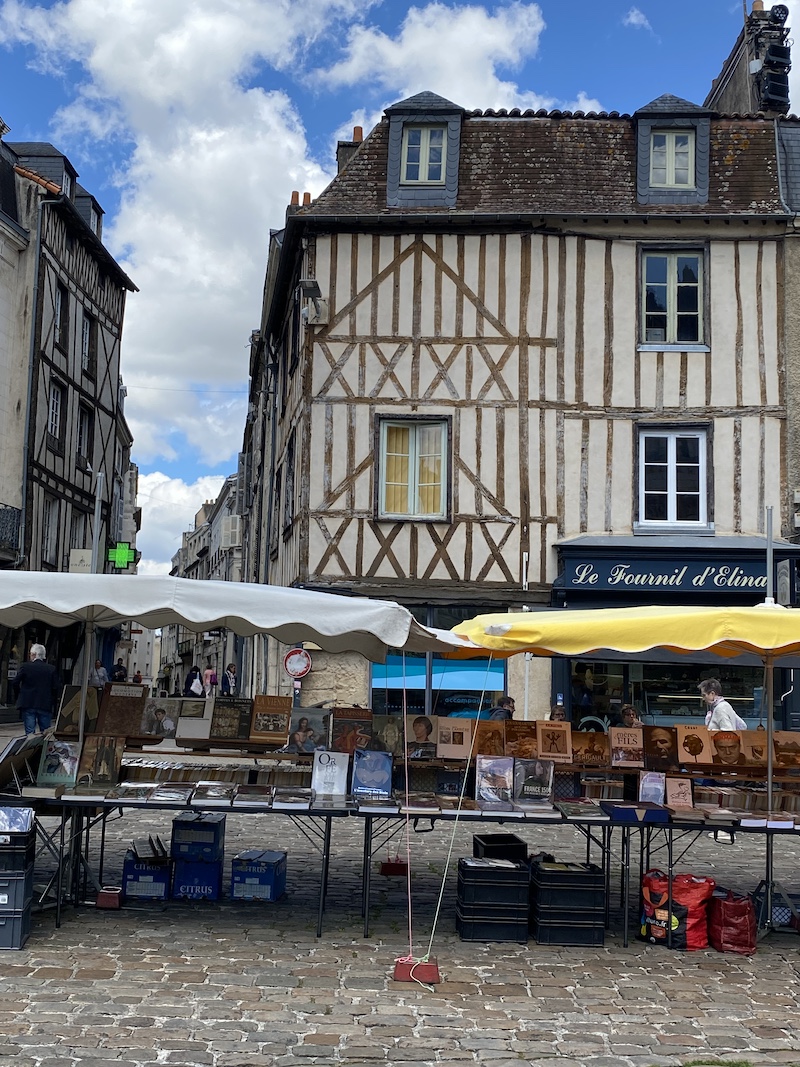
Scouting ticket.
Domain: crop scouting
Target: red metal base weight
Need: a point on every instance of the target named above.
(426, 971)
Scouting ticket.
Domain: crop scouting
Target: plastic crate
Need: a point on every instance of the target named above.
(258, 875)
(480, 928)
(500, 847)
(20, 855)
(15, 928)
(196, 880)
(16, 891)
(198, 835)
(145, 879)
(493, 890)
(568, 885)
(781, 912)
(570, 933)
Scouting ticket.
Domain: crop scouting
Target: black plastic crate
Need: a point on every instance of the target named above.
(492, 912)
(578, 893)
(471, 871)
(15, 928)
(18, 857)
(567, 875)
(565, 916)
(475, 891)
(479, 928)
(500, 847)
(16, 890)
(571, 933)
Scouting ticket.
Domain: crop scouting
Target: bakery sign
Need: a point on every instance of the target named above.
(694, 576)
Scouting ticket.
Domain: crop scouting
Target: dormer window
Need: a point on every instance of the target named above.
(66, 185)
(672, 159)
(424, 150)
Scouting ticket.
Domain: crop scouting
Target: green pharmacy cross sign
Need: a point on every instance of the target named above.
(121, 555)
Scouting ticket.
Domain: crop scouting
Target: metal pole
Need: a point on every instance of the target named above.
(98, 499)
(770, 567)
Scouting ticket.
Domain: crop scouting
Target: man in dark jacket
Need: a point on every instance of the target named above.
(504, 709)
(37, 687)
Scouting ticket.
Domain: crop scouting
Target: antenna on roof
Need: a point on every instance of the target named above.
(4, 129)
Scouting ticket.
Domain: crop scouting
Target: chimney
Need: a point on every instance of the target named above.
(306, 199)
(345, 150)
(295, 201)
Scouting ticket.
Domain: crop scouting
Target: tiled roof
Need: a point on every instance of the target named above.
(671, 105)
(425, 102)
(560, 163)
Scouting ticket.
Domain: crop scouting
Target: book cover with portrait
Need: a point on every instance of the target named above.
(590, 748)
(627, 746)
(454, 738)
(694, 744)
(661, 748)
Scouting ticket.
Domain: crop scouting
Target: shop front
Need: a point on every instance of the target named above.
(597, 572)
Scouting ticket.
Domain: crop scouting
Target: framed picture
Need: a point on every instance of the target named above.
(270, 726)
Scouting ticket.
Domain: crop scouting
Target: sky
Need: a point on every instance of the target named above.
(192, 121)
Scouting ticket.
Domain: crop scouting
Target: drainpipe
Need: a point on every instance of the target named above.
(23, 523)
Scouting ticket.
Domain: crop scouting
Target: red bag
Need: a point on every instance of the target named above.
(732, 923)
(689, 918)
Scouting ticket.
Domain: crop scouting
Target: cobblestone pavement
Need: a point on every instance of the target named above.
(235, 985)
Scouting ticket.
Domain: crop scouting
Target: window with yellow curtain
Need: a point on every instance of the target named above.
(413, 468)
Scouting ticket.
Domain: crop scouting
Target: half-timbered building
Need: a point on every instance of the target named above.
(64, 442)
(516, 359)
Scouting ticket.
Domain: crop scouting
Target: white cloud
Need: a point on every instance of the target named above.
(169, 506)
(637, 20)
(451, 51)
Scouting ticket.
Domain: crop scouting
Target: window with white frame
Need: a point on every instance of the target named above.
(672, 300)
(672, 159)
(424, 150)
(89, 345)
(55, 413)
(50, 530)
(413, 469)
(66, 184)
(673, 487)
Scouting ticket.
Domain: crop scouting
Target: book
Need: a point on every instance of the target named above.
(533, 782)
(779, 820)
(270, 719)
(52, 792)
(67, 720)
(554, 740)
(194, 719)
(100, 762)
(627, 746)
(661, 748)
(726, 748)
(131, 792)
(121, 708)
(590, 748)
(171, 793)
(259, 796)
(375, 805)
(213, 795)
(421, 732)
(538, 811)
(786, 748)
(419, 803)
(490, 737)
(454, 738)
(754, 746)
(58, 763)
(678, 792)
(230, 719)
(387, 734)
(694, 745)
(291, 800)
(332, 802)
(351, 728)
(308, 730)
(159, 716)
(466, 807)
(520, 739)
(642, 811)
(16, 820)
(494, 780)
(84, 792)
(755, 819)
(652, 786)
(329, 773)
(582, 809)
(372, 774)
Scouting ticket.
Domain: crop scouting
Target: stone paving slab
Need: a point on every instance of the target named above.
(232, 984)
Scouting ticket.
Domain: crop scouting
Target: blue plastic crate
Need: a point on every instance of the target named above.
(196, 880)
(198, 835)
(257, 875)
(145, 879)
